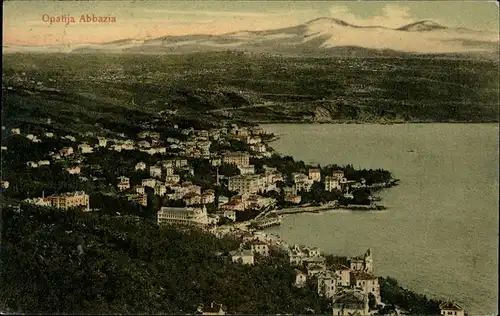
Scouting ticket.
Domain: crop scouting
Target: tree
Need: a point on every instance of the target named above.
(229, 170)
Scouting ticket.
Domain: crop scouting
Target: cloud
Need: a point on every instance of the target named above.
(392, 16)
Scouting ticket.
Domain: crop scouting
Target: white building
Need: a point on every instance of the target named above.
(15, 131)
(140, 166)
(366, 283)
(155, 171)
(184, 216)
(315, 174)
(300, 278)
(102, 141)
(250, 169)
(260, 247)
(74, 170)
(174, 178)
(350, 303)
(49, 135)
(85, 148)
(123, 183)
(149, 182)
(246, 183)
(332, 183)
(44, 163)
(451, 309)
(242, 257)
(326, 284)
(32, 164)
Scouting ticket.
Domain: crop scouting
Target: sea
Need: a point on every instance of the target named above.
(439, 236)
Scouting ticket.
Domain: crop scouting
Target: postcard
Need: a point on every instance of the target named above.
(250, 157)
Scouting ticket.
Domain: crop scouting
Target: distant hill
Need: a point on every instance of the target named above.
(319, 36)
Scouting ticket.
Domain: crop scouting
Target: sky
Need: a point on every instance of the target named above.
(23, 21)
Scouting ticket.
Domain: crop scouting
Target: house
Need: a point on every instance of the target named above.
(314, 269)
(260, 247)
(140, 166)
(315, 174)
(32, 164)
(208, 197)
(160, 189)
(242, 257)
(141, 199)
(326, 284)
(169, 170)
(49, 135)
(66, 151)
(302, 182)
(149, 182)
(250, 169)
(4, 184)
(213, 309)
(350, 303)
(332, 183)
(366, 283)
(4, 147)
(85, 149)
(451, 308)
(173, 178)
(15, 131)
(192, 199)
(362, 263)
(123, 183)
(223, 199)
(343, 275)
(293, 198)
(30, 136)
(233, 205)
(44, 163)
(69, 137)
(230, 214)
(102, 141)
(143, 144)
(155, 171)
(300, 278)
(73, 170)
(314, 252)
(140, 189)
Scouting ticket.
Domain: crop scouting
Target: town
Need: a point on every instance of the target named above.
(227, 181)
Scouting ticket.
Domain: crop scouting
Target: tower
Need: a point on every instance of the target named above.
(368, 261)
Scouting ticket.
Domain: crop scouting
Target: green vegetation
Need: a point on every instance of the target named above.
(108, 90)
(72, 262)
(416, 304)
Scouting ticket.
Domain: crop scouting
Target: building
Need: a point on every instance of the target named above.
(246, 183)
(160, 189)
(49, 135)
(66, 151)
(192, 199)
(32, 164)
(208, 197)
(140, 189)
(15, 131)
(292, 198)
(332, 183)
(155, 171)
(326, 284)
(242, 257)
(314, 252)
(366, 283)
(250, 169)
(69, 200)
(302, 182)
(44, 163)
(300, 278)
(213, 309)
(141, 199)
(260, 247)
(4, 184)
(123, 183)
(315, 174)
(173, 178)
(85, 149)
(102, 141)
(169, 170)
(230, 214)
(74, 170)
(233, 205)
(362, 263)
(149, 182)
(350, 303)
(451, 309)
(343, 275)
(182, 216)
(140, 166)
(240, 159)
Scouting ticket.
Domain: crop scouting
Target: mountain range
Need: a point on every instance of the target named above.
(318, 36)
